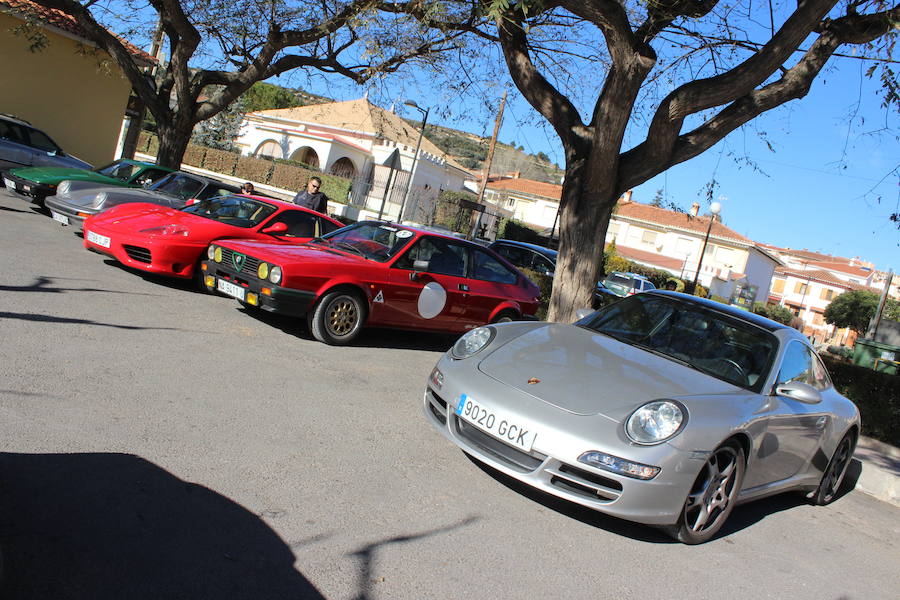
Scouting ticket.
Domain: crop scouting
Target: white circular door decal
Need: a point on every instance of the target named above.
(432, 300)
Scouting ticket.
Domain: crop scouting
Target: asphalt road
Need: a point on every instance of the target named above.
(156, 442)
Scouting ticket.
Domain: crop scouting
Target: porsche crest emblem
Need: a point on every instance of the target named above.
(238, 260)
(533, 381)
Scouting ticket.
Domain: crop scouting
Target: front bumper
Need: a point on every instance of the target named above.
(75, 215)
(256, 292)
(153, 254)
(552, 465)
(35, 192)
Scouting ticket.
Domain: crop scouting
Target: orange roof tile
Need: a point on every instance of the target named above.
(822, 277)
(57, 18)
(551, 191)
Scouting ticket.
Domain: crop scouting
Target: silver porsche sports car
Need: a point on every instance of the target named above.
(661, 408)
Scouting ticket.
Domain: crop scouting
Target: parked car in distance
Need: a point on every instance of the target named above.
(665, 409)
(171, 242)
(23, 145)
(373, 274)
(75, 201)
(541, 260)
(626, 284)
(36, 183)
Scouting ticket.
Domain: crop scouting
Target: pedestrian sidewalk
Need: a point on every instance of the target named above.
(880, 475)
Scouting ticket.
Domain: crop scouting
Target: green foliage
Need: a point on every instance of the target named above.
(221, 130)
(613, 262)
(876, 394)
(451, 213)
(266, 96)
(511, 229)
(852, 309)
(546, 284)
(776, 312)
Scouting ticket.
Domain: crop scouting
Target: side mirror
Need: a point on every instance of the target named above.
(276, 228)
(191, 201)
(797, 390)
(418, 267)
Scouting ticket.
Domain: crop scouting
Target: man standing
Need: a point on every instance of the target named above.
(311, 197)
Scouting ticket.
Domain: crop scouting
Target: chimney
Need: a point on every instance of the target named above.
(695, 209)
(626, 197)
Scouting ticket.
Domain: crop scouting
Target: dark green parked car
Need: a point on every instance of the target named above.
(36, 183)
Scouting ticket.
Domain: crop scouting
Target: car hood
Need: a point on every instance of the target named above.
(140, 215)
(54, 175)
(285, 253)
(586, 373)
(115, 195)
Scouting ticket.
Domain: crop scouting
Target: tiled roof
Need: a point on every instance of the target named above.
(808, 255)
(60, 20)
(657, 260)
(822, 277)
(845, 268)
(669, 218)
(360, 116)
(551, 191)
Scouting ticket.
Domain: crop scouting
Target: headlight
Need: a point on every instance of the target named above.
(275, 275)
(217, 255)
(262, 271)
(63, 187)
(100, 198)
(211, 253)
(655, 422)
(472, 342)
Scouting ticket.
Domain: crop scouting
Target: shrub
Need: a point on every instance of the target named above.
(876, 394)
(253, 169)
(546, 284)
(194, 155)
(451, 212)
(511, 229)
(220, 161)
(291, 177)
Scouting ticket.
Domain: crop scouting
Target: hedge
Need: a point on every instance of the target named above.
(876, 394)
(451, 212)
(285, 174)
(511, 229)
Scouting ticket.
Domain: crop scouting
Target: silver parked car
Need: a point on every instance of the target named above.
(662, 409)
(22, 145)
(77, 200)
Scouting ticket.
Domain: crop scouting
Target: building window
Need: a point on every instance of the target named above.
(777, 286)
(826, 294)
(818, 319)
(648, 237)
(799, 288)
(613, 229)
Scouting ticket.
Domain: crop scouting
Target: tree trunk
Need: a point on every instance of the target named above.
(173, 141)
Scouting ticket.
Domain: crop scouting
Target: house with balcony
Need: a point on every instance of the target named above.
(354, 139)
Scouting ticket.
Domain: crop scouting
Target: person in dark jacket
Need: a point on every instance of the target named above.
(311, 197)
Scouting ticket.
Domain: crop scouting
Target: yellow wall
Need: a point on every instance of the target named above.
(63, 93)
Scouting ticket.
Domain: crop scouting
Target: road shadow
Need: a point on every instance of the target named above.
(114, 526)
(47, 285)
(18, 210)
(38, 318)
(370, 337)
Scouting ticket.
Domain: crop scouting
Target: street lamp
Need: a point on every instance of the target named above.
(714, 210)
(412, 170)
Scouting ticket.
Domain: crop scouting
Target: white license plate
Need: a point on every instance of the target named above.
(496, 423)
(61, 218)
(96, 238)
(235, 291)
(9, 183)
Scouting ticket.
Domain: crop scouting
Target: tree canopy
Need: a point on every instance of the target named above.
(856, 308)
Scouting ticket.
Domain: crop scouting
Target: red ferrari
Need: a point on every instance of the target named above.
(172, 242)
(373, 273)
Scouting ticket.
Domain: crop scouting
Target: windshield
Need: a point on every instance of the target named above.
(178, 184)
(374, 241)
(714, 343)
(122, 171)
(232, 210)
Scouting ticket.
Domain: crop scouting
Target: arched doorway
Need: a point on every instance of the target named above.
(343, 167)
(269, 148)
(307, 156)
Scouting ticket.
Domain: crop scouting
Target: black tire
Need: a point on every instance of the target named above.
(712, 497)
(505, 316)
(337, 318)
(834, 472)
(198, 279)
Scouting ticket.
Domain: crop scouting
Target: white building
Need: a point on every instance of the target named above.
(354, 139)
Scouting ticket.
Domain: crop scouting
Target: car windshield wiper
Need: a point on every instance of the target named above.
(349, 247)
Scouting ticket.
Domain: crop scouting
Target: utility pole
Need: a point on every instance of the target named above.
(876, 320)
(487, 166)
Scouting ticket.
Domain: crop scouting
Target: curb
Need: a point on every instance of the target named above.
(880, 474)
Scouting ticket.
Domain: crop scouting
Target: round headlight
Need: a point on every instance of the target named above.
(100, 198)
(211, 253)
(217, 255)
(655, 422)
(275, 275)
(63, 188)
(472, 342)
(263, 271)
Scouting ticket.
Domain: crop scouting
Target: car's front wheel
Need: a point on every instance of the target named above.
(834, 473)
(712, 497)
(338, 318)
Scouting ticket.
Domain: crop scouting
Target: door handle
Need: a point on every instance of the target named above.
(820, 422)
(463, 287)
